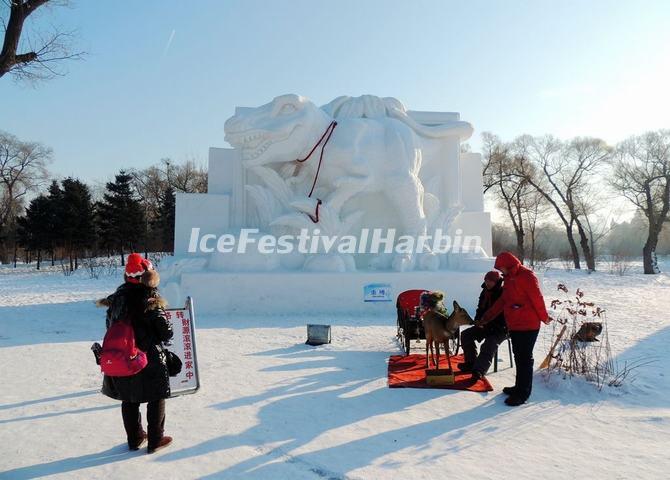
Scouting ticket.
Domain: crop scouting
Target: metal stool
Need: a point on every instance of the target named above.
(511, 357)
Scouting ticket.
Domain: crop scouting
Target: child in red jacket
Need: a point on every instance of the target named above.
(523, 305)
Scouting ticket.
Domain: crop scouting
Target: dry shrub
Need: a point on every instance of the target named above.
(100, 267)
(566, 261)
(619, 264)
(591, 360)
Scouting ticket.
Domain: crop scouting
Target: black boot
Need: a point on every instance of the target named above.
(514, 401)
(464, 367)
(162, 443)
(509, 390)
(136, 446)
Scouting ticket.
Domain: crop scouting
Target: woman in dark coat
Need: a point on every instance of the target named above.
(492, 334)
(138, 300)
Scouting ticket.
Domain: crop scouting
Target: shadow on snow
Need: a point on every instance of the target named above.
(308, 407)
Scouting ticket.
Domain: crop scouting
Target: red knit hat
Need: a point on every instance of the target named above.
(135, 267)
(492, 276)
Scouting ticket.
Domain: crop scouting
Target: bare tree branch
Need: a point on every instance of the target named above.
(43, 53)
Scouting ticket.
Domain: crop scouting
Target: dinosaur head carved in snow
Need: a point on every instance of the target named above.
(278, 131)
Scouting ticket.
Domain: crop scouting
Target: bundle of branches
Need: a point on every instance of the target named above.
(581, 340)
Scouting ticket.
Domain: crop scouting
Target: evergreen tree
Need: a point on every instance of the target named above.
(120, 216)
(33, 232)
(54, 233)
(164, 223)
(78, 229)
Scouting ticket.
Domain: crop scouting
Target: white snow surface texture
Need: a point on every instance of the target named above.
(271, 407)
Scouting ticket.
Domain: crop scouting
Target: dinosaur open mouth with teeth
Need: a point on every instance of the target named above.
(256, 149)
(254, 143)
(254, 140)
(248, 139)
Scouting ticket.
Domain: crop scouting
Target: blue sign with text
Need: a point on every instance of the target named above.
(377, 292)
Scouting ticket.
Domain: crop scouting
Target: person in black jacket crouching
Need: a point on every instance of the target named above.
(492, 334)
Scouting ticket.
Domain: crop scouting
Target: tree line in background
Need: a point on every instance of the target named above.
(537, 181)
(622, 243)
(66, 223)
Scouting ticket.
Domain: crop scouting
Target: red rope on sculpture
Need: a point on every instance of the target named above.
(315, 218)
(326, 135)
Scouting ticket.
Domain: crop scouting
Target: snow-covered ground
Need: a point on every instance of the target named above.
(271, 407)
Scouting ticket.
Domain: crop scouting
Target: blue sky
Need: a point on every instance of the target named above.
(161, 77)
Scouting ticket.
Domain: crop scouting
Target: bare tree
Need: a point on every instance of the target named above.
(642, 175)
(567, 177)
(584, 157)
(22, 170)
(188, 177)
(535, 208)
(503, 178)
(35, 56)
(598, 224)
(540, 153)
(152, 182)
(156, 185)
(491, 148)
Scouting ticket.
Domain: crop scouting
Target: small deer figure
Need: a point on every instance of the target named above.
(440, 328)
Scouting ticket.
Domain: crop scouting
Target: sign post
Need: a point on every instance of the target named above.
(183, 344)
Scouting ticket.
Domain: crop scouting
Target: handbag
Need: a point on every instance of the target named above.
(173, 362)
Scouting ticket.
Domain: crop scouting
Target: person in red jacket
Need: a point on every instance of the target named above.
(523, 305)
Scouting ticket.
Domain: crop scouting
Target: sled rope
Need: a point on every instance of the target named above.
(326, 135)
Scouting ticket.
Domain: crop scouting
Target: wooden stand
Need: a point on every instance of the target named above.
(442, 376)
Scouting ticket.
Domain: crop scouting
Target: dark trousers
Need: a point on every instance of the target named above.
(132, 422)
(482, 362)
(522, 346)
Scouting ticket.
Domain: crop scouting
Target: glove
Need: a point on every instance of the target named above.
(96, 348)
(486, 318)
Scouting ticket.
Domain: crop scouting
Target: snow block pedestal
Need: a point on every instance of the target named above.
(285, 293)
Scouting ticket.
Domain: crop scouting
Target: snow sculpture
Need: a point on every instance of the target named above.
(336, 170)
(368, 144)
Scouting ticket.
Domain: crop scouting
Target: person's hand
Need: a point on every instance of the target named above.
(483, 320)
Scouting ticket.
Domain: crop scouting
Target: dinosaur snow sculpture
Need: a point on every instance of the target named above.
(371, 145)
